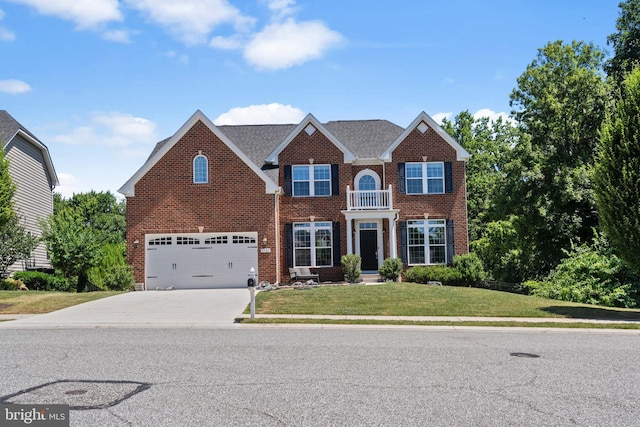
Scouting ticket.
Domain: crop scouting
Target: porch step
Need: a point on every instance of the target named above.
(370, 278)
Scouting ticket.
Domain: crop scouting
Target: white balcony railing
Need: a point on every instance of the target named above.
(369, 199)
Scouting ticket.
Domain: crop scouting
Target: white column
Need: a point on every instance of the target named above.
(392, 238)
(349, 235)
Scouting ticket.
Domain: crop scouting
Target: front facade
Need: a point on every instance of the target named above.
(213, 202)
(32, 172)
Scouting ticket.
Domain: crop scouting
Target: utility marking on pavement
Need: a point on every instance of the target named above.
(78, 394)
(526, 355)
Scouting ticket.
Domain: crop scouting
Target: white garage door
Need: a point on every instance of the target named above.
(200, 260)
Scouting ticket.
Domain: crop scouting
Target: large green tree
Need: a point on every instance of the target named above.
(547, 195)
(617, 173)
(625, 42)
(100, 211)
(490, 144)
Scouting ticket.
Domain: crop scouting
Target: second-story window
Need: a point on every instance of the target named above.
(425, 178)
(200, 170)
(312, 180)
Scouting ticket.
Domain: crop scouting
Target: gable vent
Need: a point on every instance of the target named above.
(310, 129)
(422, 127)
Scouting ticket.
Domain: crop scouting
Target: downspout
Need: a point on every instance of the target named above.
(276, 207)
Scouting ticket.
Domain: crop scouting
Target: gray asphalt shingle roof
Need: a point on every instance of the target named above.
(10, 126)
(367, 139)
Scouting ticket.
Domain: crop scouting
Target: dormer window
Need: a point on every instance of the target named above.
(200, 169)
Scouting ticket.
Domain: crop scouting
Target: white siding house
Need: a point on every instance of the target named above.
(33, 173)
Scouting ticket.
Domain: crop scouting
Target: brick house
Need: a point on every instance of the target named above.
(212, 202)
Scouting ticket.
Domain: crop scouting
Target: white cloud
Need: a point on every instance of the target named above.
(281, 8)
(14, 87)
(282, 45)
(69, 185)
(438, 117)
(6, 35)
(112, 129)
(260, 114)
(192, 20)
(84, 13)
(492, 115)
(184, 58)
(118, 36)
(226, 43)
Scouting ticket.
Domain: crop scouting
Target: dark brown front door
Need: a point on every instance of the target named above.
(369, 249)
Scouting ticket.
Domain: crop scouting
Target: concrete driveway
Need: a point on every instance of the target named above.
(197, 308)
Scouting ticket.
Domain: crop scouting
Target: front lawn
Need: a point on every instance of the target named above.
(38, 302)
(409, 299)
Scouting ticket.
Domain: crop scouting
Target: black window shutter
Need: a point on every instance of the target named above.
(287, 180)
(288, 231)
(336, 244)
(450, 242)
(404, 252)
(335, 181)
(401, 180)
(448, 178)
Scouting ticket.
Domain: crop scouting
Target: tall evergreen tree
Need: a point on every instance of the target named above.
(617, 173)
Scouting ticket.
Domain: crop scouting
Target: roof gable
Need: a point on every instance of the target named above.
(461, 153)
(302, 126)
(10, 128)
(128, 189)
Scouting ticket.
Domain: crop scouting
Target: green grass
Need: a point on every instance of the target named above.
(408, 299)
(38, 302)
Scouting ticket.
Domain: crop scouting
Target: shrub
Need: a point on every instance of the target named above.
(10, 284)
(112, 271)
(592, 275)
(351, 267)
(38, 281)
(470, 268)
(391, 269)
(433, 273)
(120, 278)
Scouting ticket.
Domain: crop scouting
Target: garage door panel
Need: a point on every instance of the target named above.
(200, 260)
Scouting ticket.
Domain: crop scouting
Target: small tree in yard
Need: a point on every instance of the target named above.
(74, 248)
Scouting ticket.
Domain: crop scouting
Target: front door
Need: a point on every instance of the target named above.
(369, 249)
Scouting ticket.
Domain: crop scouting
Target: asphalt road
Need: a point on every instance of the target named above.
(326, 376)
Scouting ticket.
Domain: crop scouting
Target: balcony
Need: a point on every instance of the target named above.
(369, 200)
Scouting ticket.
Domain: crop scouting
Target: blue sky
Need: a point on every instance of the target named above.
(101, 81)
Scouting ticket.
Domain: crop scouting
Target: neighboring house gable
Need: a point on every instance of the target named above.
(33, 173)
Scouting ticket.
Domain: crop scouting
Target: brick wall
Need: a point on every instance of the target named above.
(167, 201)
(437, 206)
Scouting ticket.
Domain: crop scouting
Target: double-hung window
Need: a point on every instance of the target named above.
(425, 178)
(426, 241)
(312, 244)
(312, 180)
(200, 170)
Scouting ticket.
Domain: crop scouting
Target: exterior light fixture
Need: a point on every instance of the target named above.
(265, 241)
(135, 244)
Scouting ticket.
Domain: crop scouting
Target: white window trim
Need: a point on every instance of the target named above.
(427, 247)
(376, 177)
(206, 181)
(310, 181)
(425, 179)
(312, 230)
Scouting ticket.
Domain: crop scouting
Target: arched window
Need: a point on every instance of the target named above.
(367, 182)
(200, 170)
